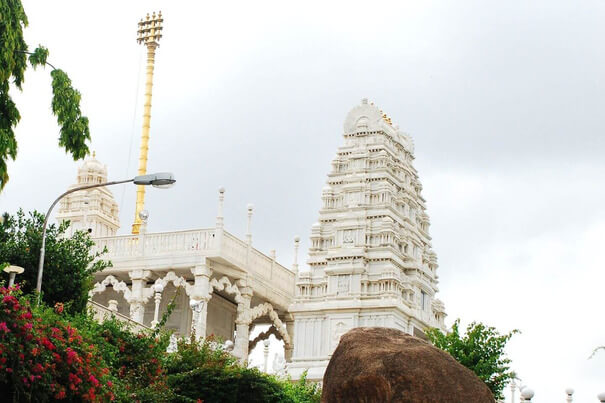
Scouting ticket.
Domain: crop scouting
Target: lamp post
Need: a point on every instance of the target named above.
(159, 180)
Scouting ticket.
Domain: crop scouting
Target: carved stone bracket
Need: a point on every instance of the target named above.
(118, 286)
(225, 284)
(177, 281)
(264, 335)
(267, 309)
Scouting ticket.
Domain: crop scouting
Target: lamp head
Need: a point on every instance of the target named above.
(160, 180)
(14, 269)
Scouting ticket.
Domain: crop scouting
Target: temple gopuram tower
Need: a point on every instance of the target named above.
(371, 261)
(94, 210)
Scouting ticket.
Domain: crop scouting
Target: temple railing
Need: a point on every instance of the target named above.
(155, 244)
(102, 313)
(205, 242)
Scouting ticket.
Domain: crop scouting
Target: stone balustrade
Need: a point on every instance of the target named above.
(200, 242)
(102, 313)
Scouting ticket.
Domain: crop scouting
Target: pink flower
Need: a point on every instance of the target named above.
(71, 355)
(47, 343)
(93, 380)
(3, 327)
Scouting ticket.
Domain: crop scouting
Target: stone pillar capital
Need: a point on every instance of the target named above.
(201, 270)
(246, 292)
(139, 274)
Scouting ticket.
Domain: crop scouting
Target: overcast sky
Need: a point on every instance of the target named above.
(504, 101)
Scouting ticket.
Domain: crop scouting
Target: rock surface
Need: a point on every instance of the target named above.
(377, 364)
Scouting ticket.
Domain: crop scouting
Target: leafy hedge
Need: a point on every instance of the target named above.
(47, 355)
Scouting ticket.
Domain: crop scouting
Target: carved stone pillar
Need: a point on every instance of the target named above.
(289, 349)
(242, 324)
(137, 294)
(200, 296)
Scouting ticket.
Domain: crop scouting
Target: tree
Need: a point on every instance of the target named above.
(68, 265)
(74, 131)
(481, 350)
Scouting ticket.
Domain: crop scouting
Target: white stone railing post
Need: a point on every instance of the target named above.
(157, 288)
(273, 256)
(265, 354)
(569, 393)
(112, 305)
(220, 220)
(249, 226)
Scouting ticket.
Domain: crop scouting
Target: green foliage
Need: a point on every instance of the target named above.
(68, 263)
(301, 391)
(204, 371)
(74, 130)
(481, 350)
(66, 106)
(38, 57)
(44, 358)
(135, 360)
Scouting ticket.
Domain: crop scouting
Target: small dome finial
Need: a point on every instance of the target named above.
(94, 154)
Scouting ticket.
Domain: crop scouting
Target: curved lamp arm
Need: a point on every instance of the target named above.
(41, 262)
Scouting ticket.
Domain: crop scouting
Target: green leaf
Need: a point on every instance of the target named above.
(74, 131)
(38, 57)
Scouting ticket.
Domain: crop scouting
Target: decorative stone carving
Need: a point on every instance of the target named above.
(370, 250)
(117, 285)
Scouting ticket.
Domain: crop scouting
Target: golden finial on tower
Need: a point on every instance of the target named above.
(149, 34)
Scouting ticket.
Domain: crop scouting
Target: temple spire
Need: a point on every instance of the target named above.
(149, 34)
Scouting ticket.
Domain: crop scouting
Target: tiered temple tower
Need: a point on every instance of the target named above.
(371, 262)
(95, 209)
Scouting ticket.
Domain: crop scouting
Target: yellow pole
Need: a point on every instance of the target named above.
(149, 33)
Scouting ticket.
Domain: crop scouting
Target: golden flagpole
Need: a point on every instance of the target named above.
(149, 34)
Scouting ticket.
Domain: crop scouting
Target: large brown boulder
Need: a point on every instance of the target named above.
(378, 364)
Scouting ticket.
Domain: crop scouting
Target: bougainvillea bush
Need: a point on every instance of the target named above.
(43, 358)
(135, 360)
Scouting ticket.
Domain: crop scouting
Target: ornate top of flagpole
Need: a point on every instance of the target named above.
(150, 29)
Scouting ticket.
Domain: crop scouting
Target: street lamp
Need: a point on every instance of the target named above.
(12, 272)
(160, 180)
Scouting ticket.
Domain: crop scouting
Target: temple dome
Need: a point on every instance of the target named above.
(92, 171)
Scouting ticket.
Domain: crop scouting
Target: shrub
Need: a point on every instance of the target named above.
(135, 360)
(301, 391)
(43, 357)
(204, 371)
